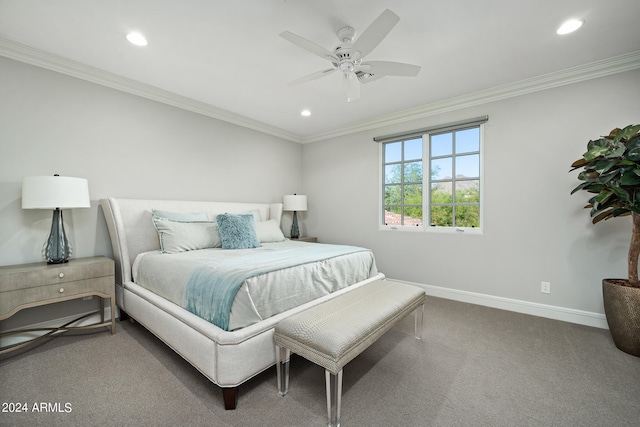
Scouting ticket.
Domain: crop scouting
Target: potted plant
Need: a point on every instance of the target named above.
(611, 171)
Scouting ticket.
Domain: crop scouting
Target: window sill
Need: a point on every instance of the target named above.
(438, 230)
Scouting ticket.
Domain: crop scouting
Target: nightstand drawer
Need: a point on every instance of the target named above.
(50, 293)
(24, 276)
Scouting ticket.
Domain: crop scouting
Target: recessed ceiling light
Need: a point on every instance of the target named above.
(305, 113)
(569, 26)
(137, 39)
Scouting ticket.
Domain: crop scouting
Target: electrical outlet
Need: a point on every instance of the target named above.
(545, 287)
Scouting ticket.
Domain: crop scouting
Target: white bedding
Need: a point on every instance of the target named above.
(259, 297)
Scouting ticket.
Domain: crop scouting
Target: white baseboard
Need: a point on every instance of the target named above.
(564, 314)
(580, 317)
(26, 336)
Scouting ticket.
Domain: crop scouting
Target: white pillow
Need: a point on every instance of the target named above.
(178, 236)
(180, 216)
(269, 231)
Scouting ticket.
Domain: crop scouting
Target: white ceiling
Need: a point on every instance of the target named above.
(225, 58)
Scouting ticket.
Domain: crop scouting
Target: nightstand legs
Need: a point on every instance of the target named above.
(63, 328)
(112, 302)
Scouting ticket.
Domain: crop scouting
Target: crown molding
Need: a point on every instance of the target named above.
(39, 58)
(617, 64)
(32, 56)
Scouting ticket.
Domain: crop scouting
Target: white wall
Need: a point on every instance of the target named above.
(126, 146)
(533, 229)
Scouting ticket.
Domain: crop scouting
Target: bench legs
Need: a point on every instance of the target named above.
(282, 369)
(333, 381)
(334, 397)
(418, 328)
(333, 385)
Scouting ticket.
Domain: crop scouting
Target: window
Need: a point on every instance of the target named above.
(403, 189)
(433, 179)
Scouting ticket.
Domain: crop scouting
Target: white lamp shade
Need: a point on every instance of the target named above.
(51, 192)
(294, 202)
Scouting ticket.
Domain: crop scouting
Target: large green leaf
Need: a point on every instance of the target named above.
(629, 178)
(603, 179)
(622, 194)
(597, 143)
(633, 150)
(588, 175)
(605, 165)
(590, 186)
(595, 152)
(624, 162)
(627, 133)
(616, 150)
(612, 202)
(602, 197)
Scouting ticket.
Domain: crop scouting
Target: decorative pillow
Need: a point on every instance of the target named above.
(237, 231)
(178, 236)
(268, 231)
(181, 216)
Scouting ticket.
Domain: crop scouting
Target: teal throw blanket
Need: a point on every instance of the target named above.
(212, 287)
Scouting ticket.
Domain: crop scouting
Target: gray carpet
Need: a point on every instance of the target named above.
(475, 366)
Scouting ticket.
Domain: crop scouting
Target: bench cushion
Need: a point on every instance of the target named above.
(331, 334)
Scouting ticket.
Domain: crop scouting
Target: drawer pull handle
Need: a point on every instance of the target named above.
(61, 275)
(61, 290)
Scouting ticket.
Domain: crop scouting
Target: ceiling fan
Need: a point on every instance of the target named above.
(347, 56)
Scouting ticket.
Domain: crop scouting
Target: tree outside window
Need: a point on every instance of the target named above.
(450, 196)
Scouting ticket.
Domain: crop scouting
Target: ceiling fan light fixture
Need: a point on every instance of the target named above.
(346, 66)
(348, 56)
(569, 26)
(137, 39)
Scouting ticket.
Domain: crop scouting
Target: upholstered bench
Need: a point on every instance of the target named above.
(331, 334)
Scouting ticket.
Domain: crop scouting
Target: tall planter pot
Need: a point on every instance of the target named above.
(622, 309)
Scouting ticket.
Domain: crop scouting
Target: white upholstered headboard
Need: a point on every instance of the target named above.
(132, 231)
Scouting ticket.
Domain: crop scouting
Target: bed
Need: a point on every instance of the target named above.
(159, 273)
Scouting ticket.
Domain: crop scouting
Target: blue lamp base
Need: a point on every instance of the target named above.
(295, 232)
(57, 249)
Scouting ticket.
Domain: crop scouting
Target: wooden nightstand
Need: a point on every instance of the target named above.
(32, 285)
(307, 239)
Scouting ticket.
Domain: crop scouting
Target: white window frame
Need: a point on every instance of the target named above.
(426, 184)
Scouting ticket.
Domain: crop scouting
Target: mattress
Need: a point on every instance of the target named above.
(263, 295)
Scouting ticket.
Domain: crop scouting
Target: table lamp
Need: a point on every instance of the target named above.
(294, 202)
(57, 193)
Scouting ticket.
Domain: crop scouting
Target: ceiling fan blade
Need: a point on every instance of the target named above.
(313, 76)
(353, 86)
(307, 45)
(375, 33)
(388, 68)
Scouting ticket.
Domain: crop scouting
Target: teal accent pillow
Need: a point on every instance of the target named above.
(237, 231)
